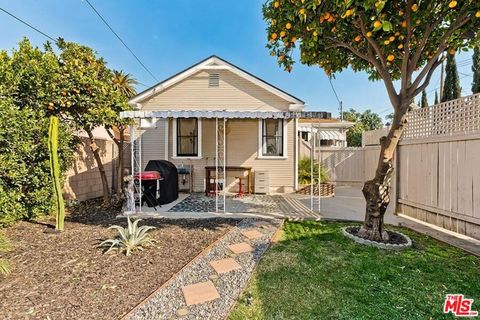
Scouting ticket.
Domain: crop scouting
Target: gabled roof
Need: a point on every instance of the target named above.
(211, 63)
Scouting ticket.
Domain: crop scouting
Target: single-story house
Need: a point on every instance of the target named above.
(215, 114)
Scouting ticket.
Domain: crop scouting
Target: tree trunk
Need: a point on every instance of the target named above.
(101, 169)
(377, 190)
(120, 166)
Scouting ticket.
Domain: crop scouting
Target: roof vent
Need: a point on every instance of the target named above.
(213, 80)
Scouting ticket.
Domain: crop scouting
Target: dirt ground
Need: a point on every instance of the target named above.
(64, 276)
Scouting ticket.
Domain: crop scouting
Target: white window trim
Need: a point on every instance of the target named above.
(260, 142)
(174, 144)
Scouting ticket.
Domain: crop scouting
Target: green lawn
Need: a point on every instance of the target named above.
(314, 272)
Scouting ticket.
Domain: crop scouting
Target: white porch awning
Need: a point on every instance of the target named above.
(325, 134)
(212, 114)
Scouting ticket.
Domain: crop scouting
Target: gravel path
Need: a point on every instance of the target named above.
(168, 302)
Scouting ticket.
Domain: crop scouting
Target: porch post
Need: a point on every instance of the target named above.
(319, 163)
(216, 164)
(312, 155)
(131, 183)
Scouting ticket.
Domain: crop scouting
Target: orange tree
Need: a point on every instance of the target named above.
(402, 41)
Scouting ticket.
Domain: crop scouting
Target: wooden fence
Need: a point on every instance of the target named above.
(439, 174)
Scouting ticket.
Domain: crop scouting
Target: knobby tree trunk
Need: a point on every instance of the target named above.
(377, 190)
(101, 169)
(120, 166)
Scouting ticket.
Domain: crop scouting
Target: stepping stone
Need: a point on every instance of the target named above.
(252, 234)
(225, 265)
(200, 293)
(241, 247)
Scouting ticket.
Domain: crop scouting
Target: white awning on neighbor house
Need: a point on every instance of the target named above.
(212, 114)
(325, 134)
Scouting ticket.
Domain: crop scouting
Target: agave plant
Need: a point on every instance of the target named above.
(5, 246)
(129, 239)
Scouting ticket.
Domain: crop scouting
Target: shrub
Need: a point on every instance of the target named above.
(129, 239)
(304, 172)
(25, 185)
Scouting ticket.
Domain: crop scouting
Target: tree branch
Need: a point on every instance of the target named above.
(441, 48)
(112, 136)
(428, 77)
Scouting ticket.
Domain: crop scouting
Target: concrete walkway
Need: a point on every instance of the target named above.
(348, 204)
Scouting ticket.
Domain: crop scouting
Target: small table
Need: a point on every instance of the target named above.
(209, 169)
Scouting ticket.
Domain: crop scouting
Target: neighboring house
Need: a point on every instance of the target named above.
(331, 133)
(179, 122)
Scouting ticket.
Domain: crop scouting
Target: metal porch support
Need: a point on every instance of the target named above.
(220, 159)
(134, 190)
(312, 156)
(319, 165)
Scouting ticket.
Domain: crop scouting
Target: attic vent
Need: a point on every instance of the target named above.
(213, 80)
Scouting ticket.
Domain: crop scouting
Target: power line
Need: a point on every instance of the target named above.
(28, 25)
(120, 39)
(335, 92)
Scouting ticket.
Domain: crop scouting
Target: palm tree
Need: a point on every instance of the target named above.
(124, 83)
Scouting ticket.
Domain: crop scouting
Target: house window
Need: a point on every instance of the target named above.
(272, 137)
(187, 137)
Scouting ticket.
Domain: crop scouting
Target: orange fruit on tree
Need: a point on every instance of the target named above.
(452, 51)
(331, 19)
(288, 25)
(400, 46)
(326, 16)
(302, 11)
(282, 34)
(377, 24)
(315, 33)
(391, 57)
(477, 14)
(294, 39)
(358, 38)
(274, 36)
(452, 4)
(276, 4)
(281, 57)
(404, 23)
(387, 42)
(348, 13)
(369, 34)
(392, 38)
(400, 13)
(414, 7)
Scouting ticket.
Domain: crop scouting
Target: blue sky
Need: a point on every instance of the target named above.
(169, 36)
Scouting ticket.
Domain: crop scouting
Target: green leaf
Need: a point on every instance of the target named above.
(387, 26)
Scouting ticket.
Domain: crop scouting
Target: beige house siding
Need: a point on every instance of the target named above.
(153, 143)
(242, 150)
(233, 93)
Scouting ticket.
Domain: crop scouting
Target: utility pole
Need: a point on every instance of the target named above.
(341, 110)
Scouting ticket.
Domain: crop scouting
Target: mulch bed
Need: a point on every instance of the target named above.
(60, 276)
(394, 237)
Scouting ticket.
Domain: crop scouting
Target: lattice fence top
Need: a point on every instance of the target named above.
(447, 118)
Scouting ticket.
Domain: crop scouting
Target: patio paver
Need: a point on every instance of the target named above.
(241, 247)
(225, 265)
(200, 293)
(252, 234)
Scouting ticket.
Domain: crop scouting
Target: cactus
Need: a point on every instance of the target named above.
(55, 172)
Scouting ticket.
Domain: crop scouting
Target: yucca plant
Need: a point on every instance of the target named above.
(5, 246)
(129, 239)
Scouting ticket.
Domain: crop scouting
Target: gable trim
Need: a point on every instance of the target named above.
(214, 63)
